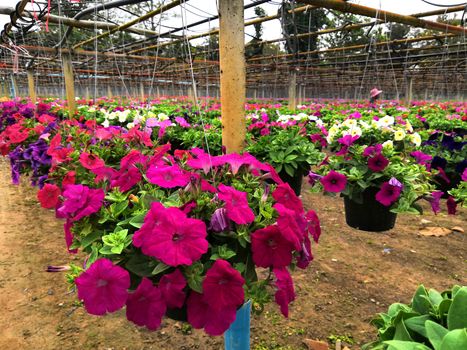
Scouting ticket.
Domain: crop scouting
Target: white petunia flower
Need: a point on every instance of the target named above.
(399, 135)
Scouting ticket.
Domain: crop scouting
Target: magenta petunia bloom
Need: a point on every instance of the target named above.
(48, 196)
(126, 178)
(236, 160)
(334, 181)
(90, 161)
(270, 248)
(372, 150)
(305, 257)
(104, 173)
(202, 315)
(285, 195)
(236, 204)
(434, 201)
(464, 175)
(170, 236)
(202, 161)
(288, 225)
(285, 293)
(421, 158)
(388, 194)
(146, 306)
(103, 287)
(171, 286)
(168, 176)
(348, 140)
(223, 286)
(313, 225)
(69, 236)
(80, 201)
(377, 163)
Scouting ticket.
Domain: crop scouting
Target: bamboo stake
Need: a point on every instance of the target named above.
(386, 16)
(121, 27)
(232, 74)
(293, 91)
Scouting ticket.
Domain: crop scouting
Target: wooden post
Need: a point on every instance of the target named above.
(141, 91)
(255, 92)
(232, 74)
(109, 91)
(158, 92)
(86, 93)
(69, 84)
(293, 91)
(31, 86)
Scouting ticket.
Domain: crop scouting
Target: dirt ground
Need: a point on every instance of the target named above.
(355, 275)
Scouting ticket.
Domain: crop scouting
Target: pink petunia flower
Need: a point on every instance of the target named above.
(126, 178)
(202, 315)
(434, 201)
(168, 176)
(372, 150)
(236, 204)
(69, 236)
(103, 287)
(270, 248)
(285, 293)
(171, 286)
(146, 306)
(289, 225)
(69, 178)
(90, 161)
(285, 195)
(334, 181)
(80, 201)
(223, 286)
(388, 194)
(377, 163)
(464, 175)
(170, 236)
(48, 196)
(313, 225)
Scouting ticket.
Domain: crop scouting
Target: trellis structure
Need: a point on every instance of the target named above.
(434, 67)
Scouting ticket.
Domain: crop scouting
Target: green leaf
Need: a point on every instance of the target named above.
(289, 170)
(417, 324)
(435, 297)
(457, 315)
(141, 265)
(420, 301)
(160, 267)
(137, 221)
(401, 332)
(89, 239)
(435, 333)
(405, 345)
(455, 340)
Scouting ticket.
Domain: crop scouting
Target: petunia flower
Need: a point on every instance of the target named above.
(48, 196)
(289, 226)
(464, 175)
(285, 195)
(236, 204)
(421, 158)
(90, 161)
(372, 150)
(80, 201)
(126, 178)
(377, 163)
(69, 178)
(334, 181)
(170, 236)
(171, 286)
(203, 315)
(146, 306)
(388, 194)
(270, 248)
(219, 221)
(103, 287)
(223, 286)
(285, 293)
(434, 201)
(168, 176)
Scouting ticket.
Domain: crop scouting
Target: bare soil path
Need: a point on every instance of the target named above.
(355, 275)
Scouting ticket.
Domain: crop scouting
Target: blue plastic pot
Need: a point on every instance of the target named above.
(237, 337)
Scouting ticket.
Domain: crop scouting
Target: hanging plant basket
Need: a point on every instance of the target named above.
(370, 215)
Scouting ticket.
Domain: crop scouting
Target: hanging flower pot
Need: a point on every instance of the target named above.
(369, 215)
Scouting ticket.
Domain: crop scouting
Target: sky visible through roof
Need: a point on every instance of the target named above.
(195, 10)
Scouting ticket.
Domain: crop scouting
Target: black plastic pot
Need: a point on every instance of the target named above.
(178, 314)
(370, 215)
(295, 181)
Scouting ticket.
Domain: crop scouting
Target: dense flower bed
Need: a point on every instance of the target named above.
(170, 222)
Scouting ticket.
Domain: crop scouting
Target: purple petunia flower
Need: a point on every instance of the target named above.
(388, 194)
(334, 181)
(377, 163)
